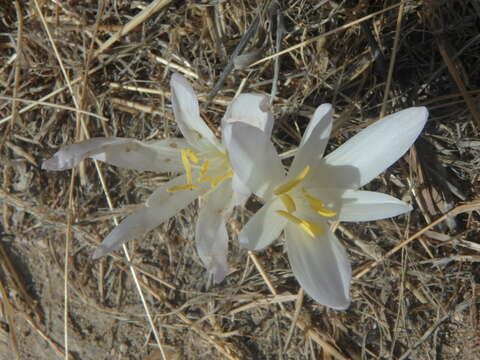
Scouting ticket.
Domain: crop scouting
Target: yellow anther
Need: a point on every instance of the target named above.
(182, 187)
(205, 179)
(282, 189)
(326, 212)
(203, 169)
(191, 156)
(288, 203)
(317, 205)
(310, 228)
(186, 154)
(220, 178)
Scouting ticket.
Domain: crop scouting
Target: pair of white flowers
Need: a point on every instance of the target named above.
(302, 203)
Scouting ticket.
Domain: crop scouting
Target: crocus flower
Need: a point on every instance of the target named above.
(203, 160)
(318, 190)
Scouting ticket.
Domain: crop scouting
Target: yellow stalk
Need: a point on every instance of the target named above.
(282, 189)
(288, 203)
(310, 228)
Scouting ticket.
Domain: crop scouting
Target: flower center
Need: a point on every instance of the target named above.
(206, 173)
(287, 197)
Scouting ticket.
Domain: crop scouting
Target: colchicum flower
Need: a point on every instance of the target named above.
(203, 160)
(318, 190)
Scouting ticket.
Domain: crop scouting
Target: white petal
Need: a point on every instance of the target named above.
(241, 193)
(187, 113)
(253, 157)
(314, 139)
(253, 109)
(358, 205)
(161, 196)
(70, 156)
(320, 265)
(158, 155)
(378, 146)
(264, 227)
(146, 219)
(211, 237)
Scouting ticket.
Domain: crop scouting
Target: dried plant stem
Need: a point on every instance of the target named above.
(301, 324)
(143, 15)
(392, 59)
(458, 210)
(147, 12)
(328, 33)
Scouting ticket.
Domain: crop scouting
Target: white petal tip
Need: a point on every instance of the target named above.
(55, 163)
(419, 115)
(218, 273)
(179, 80)
(344, 305)
(100, 252)
(243, 241)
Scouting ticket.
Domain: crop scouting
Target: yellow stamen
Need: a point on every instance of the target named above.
(282, 189)
(203, 169)
(317, 205)
(182, 187)
(220, 178)
(310, 228)
(187, 166)
(288, 203)
(191, 156)
(187, 157)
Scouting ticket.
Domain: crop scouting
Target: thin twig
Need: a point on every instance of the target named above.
(392, 59)
(475, 205)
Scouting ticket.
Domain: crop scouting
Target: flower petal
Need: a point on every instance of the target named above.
(163, 205)
(320, 265)
(158, 155)
(253, 109)
(358, 205)
(70, 156)
(314, 139)
(253, 157)
(264, 227)
(211, 237)
(161, 196)
(187, 113)
(379, 145)
(241, 192)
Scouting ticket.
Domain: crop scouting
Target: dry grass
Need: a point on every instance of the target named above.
(71, 70)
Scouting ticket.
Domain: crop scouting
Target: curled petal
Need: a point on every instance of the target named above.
(187, 113)
(252, 109)
(264, 227)
(379, 145)
(320, 265)
(158, 155)
(253, 157)
(161, 206)
(70, 156)
(358, 205)
(314, 139)
(211, 237)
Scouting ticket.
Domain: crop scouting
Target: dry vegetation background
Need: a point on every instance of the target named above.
(70, 70)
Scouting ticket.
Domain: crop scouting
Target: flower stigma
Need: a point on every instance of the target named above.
(190, 159)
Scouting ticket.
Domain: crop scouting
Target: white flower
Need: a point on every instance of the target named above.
(201, 158)
(317, 190)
